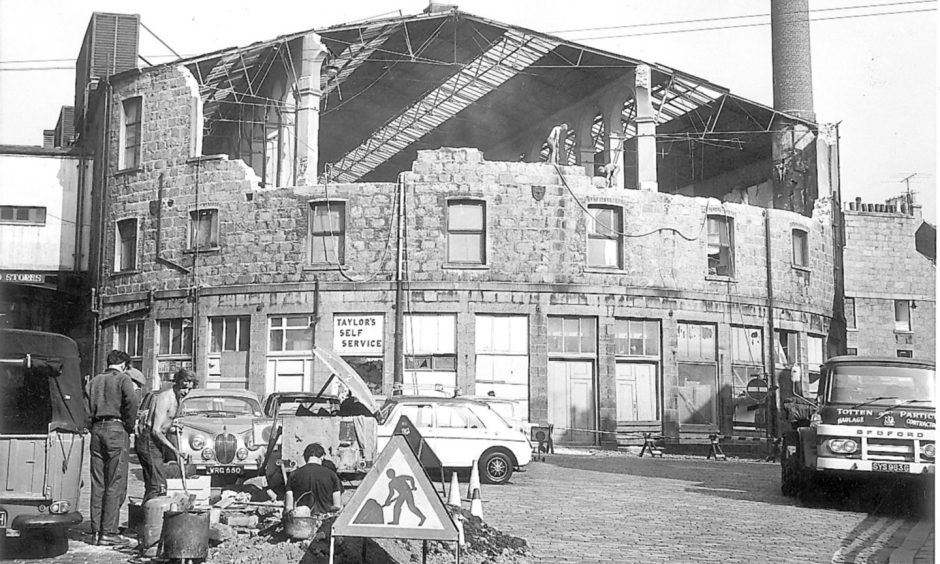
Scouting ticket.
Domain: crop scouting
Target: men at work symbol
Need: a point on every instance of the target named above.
(403, 485)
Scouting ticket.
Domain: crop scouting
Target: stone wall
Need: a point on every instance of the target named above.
(882, 265)
(536, 241)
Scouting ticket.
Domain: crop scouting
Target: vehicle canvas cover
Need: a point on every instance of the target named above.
(54, 358)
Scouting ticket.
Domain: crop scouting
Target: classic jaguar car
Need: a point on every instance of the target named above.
(215, 429)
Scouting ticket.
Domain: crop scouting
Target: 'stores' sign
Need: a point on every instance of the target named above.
(358, 334)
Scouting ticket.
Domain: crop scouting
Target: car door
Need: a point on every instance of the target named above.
(460, 436)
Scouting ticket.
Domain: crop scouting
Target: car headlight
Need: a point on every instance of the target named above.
(59, 507)
(196, 442)
(241, 453)
(843, 446)
(208, 454)
(928, 450)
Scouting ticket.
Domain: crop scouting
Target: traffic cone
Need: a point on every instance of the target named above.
(474, 479)
(476, 504)
(454, 497)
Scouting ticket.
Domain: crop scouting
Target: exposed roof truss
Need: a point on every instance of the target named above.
(510, 55)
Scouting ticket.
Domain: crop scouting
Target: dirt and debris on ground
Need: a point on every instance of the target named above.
(484, 544)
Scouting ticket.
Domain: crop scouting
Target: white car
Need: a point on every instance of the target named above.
(461, 431)
(510, 410)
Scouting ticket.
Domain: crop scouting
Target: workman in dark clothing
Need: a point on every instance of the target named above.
(112, 406)
(315, 485)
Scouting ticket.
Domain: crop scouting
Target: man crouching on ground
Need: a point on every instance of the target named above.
(154, 446)
(315, 485)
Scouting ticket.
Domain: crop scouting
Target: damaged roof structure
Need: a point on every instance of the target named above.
(391, 87)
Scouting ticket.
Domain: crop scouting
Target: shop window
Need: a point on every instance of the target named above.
(697, 387)
(815, 356)
(720, 245)
(430, 349)
(572, 335)
(125, 249)
(800, 248)
(902, 315)
(229, 334)
(359, 338)
(747, 349)
(129, 337)
(605, 248)
(29, 215)
(637, 337)
(204, 229)
(175, 337)
(290, 333)
(130, 134)
(466, 232)
(327, 233)
(502, 357)
(849, 307)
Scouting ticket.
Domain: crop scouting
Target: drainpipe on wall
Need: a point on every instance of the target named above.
(774, 388)
(398, 378)
(102, 224)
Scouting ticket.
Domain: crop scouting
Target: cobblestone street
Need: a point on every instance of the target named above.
(620, 508)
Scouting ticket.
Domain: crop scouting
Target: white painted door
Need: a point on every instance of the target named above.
(636, 392)
(571, 401)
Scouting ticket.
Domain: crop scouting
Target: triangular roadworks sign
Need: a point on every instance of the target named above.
(396, 500)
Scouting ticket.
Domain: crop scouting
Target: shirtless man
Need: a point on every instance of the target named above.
(154, 444)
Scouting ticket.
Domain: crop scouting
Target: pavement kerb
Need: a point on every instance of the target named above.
(916, 539)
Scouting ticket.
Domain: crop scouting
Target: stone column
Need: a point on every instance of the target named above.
(308, 110)
(613, 138)
(645, 130)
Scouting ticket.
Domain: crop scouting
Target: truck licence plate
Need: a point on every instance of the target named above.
(890, 467)
(224, 469)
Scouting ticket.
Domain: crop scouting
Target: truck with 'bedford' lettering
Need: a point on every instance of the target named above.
(872, 418)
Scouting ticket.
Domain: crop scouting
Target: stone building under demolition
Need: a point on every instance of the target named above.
(385, 189)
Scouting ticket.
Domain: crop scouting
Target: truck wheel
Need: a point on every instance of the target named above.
(495, 467)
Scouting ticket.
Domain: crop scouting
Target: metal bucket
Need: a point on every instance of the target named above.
(185, 534)
(151, 524)
(300, 528)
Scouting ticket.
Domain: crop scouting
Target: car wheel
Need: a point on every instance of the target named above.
(495, 467)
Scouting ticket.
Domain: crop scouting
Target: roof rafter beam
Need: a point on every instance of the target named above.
(513, 53)
(357, 53)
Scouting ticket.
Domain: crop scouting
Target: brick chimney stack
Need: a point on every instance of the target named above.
(792, 63)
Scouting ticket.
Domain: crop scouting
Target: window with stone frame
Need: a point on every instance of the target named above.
(129, 337)
(720, 245)
(637, 338)
(466, 232)
(204, 229)
(129, 156)
(175, 337)
(28, 215)
(849, 310)
(572, 335)
(327, 233)
(697, 386)
(605, 242)
(229, 334)
(800, 248)
(290, 333)
(125, 247)
(902, 315)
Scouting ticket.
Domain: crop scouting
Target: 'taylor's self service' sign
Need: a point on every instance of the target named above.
(358, 335)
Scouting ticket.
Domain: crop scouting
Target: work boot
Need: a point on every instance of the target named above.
(111, 539)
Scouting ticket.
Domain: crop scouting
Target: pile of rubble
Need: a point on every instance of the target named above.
(269, 542)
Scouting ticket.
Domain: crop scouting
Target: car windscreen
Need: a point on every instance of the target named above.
(857, 384)
(305, 407)
(490, 418)
(221, 406)
(506, 410)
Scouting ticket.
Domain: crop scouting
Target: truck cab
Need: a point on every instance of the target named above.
(873, 418)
